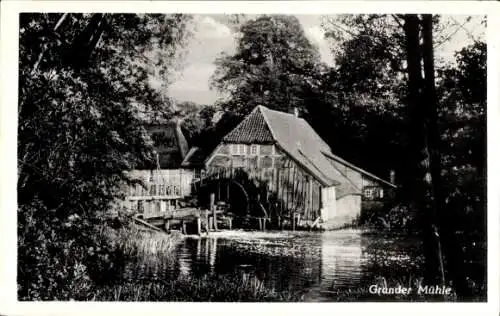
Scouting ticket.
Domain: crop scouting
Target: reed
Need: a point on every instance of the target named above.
(233, 288)
(143, 245)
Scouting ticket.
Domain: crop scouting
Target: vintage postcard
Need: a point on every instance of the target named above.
(249, 152)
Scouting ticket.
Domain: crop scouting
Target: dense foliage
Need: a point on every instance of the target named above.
(275, 64)
(84, 93)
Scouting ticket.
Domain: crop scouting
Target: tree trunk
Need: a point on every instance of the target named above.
(432, 137)
(444, 216)
(419, 153)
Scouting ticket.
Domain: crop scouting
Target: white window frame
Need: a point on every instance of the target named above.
(254, 150)
(242, 149)
(369, 193)
(238, 149)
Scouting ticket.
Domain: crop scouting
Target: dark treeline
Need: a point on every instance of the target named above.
(84, 98)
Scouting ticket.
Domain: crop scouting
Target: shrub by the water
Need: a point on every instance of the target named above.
(58, 258)
(391, 216)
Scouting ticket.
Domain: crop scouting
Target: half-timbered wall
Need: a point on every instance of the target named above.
(295, 189)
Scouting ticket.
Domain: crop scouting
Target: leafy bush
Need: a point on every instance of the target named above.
(61, 257)
(391, 216)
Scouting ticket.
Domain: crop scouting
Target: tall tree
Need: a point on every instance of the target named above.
(274, 65)
(366, 90)
(363, 92)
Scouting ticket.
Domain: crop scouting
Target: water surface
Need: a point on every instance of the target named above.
(317, 263)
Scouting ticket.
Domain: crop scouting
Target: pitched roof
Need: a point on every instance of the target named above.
(297, 138)
(170, 134)
(253, 129)
(364, 172)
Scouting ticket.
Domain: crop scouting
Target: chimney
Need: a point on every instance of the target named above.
(296, 111)
(392, 176)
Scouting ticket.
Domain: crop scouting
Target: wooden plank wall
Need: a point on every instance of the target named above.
(295, 190)
(161, 187)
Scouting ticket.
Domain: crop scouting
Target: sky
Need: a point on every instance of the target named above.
(213, 35)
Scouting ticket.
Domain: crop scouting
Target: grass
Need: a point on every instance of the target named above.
(148, 246)
(234, 288)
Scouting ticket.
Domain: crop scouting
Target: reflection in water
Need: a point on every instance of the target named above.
(314, 262)
(341, 258)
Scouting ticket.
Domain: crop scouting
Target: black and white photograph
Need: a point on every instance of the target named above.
(251, 157)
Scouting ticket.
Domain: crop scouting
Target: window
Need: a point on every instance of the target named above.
(373, 193)
(238, 149)
(370, 193)
(254, 150)
(242, 149)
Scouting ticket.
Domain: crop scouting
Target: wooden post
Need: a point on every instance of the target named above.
(286, 186)
(279, 222)
(167, 225)
(277, 188)
(293, 221)
(198, 226)
(207, 221)
(198, 249)
(184, 227)
(294, 182)
(259, 219)
(304, 199)
(264, 220)
(213, 209)
(230, 223)
(310, 195)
